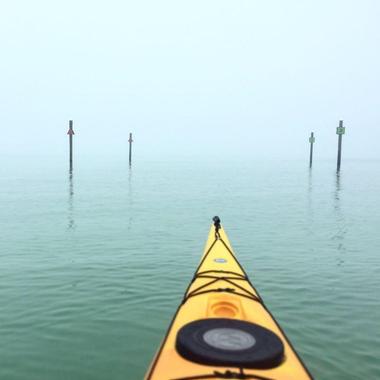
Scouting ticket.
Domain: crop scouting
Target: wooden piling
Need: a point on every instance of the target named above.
(340, 132)
(130, 148)
(71, 133)
(312, 141)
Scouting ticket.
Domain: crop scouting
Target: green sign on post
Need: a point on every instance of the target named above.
(312, 140)
(340, 130)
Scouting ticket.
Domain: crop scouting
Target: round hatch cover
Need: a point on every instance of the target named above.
(229, 339)
(229, 342)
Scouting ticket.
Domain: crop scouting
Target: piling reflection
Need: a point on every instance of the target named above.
(310, 204)
(340, 229)
(310, 182)
(71, 221)
(337, 190)
(130, 196)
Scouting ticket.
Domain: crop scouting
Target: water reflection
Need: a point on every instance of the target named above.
(310, 192)
(340, 229)
(130, 197)
(71, 221)
(310, 224)
(310, 182)
(337, 191)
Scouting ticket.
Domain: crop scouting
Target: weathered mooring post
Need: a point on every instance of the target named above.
(71, 133)
(312, 141)
(340, 132)
(130, 148)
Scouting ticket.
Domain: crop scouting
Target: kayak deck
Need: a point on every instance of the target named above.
(221, 294)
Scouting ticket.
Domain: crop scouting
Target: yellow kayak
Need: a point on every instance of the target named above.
(222, 329)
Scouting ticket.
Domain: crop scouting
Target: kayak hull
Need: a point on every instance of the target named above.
(221, 291)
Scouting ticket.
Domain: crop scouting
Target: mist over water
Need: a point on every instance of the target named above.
(95, 262)
(221, 97)
(224, 78)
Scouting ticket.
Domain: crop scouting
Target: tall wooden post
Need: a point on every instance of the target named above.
(71, 133)
(312, 141)
(130, 148)
(340, 132)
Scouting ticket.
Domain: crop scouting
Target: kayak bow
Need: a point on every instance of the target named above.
(222, 329)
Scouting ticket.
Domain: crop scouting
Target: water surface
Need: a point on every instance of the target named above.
(94, 262)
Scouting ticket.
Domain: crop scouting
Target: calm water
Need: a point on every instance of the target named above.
(93, 266)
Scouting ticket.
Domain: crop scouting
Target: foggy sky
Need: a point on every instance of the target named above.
(198, 78)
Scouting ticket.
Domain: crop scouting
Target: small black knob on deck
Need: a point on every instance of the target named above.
(216, 221)
(217, 225)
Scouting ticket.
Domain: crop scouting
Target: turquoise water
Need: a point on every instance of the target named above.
(93, 265)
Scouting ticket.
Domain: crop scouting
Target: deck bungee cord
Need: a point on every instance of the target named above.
(222, 328)
(216, 278)
(226, 375)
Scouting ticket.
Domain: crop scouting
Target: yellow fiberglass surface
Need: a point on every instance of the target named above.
(222, 328)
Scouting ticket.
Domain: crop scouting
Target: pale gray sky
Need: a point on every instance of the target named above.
(240, 78)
